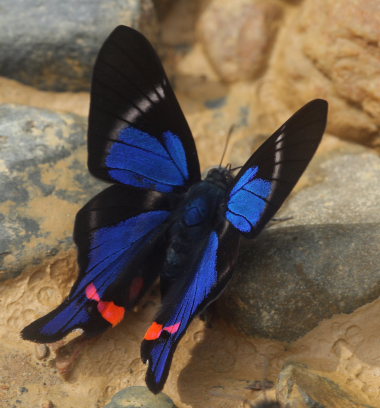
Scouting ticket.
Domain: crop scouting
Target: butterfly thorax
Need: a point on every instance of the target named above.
(220, 176)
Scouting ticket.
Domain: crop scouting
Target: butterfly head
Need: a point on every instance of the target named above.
(221, 176)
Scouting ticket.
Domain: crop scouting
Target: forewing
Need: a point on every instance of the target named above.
(137, 132)
(114, 232)
(270, 174)
(199, 286)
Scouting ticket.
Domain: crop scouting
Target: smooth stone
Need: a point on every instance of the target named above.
(345, 190)
(139, 397)
(303, 388)
(52, 45)
(43, 182)
(239, 51)
(321, 262)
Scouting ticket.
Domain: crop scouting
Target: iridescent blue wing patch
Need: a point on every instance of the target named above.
(248, 200)
(186, 298)
(137, 133)
(141, 160)
(112, 234)
(270, 174)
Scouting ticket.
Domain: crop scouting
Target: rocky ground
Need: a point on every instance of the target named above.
(301, 317)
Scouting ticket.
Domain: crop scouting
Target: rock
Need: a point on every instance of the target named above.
(47, 404)
(41, 351)
(340, 66)
(303, 388)
(163, 7)
(346, 191)
(52, 45)
(321, 262)
(239, 50)
(43, 182)
(139, 397)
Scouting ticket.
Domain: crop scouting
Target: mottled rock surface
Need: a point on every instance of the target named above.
(321, 262)
(53, 44)
(43, 182)
(303, 388)
(139, 397)
(163, 7)
(331, 52)
(237, 36)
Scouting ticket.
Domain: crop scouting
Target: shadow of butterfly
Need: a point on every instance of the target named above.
(159, 218)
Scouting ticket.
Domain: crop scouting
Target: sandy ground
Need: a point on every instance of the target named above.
(212, 366)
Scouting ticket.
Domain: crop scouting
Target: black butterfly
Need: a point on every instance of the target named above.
(159, 219)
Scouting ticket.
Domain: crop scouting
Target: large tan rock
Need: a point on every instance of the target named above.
(237, 36)
(331, 51)
(303, 388)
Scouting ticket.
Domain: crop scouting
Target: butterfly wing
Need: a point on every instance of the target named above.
(113, 232)
(199, 285)
(270, 174)
(137, 132)
(138, 138)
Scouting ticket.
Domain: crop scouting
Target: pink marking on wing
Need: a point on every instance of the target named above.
(172, 329)
(92, 293)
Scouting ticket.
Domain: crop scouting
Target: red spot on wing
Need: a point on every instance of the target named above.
(172, 329)
(135, 288)
(114, 314)
(153, 332)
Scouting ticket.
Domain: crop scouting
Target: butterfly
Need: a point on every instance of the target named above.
(159, 218)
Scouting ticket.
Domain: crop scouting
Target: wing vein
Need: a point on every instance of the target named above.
(136, 64)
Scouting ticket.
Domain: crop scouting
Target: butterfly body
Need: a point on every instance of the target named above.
(195, 218)
(159, 219)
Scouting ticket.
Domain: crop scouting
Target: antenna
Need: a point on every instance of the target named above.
(230, 130)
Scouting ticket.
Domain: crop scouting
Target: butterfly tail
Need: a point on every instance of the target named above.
(75, 313)
(159, 354)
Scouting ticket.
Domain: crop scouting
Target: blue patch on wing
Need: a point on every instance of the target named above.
(112, 250)
(204, 280)
(248, 200)
(141, 160)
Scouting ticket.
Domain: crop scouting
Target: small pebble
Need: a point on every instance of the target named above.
(259, 385)
(41, 351)
(47, 404)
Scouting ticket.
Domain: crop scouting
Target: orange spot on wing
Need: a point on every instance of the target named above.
(111, 312)
(92, 293)
(153, 332)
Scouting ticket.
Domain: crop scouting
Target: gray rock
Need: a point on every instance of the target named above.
(303, 388)
(43, 182)
(346, 190)
(323, 261)
(139, 397)
(52, 45)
